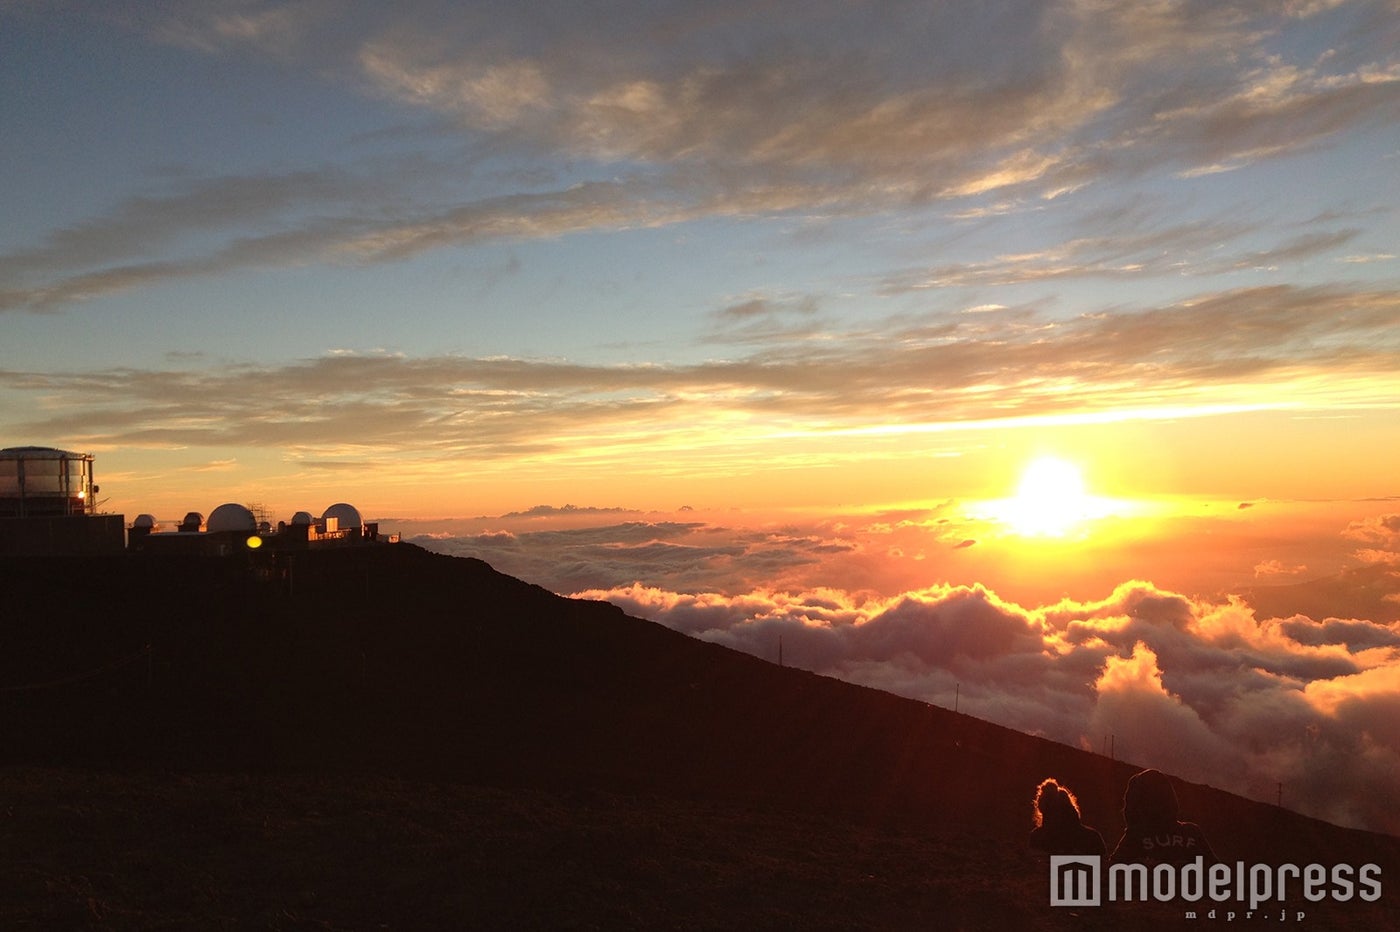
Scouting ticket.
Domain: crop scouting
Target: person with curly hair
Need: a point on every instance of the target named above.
(1058, 825)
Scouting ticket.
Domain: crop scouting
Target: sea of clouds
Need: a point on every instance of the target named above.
(1215, 689)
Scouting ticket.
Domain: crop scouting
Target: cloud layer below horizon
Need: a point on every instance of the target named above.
(1209, 688)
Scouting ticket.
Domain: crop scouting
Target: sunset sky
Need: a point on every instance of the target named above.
(752, 317)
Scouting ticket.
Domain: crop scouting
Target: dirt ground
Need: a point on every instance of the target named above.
(83, 850)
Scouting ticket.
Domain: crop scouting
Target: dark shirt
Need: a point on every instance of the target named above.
(1069, 839)
(1172, 843)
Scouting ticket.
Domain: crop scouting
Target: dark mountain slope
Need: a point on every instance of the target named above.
(397, 661)
(395, 664)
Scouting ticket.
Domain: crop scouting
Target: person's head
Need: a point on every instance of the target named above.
(1054, 804)
(1149, 799)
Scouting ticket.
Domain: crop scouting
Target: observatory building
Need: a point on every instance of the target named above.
(48, 504)
(41, 482)
(233, 528)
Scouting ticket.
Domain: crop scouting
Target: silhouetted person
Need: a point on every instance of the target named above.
(1151, 832)
(1058, 829)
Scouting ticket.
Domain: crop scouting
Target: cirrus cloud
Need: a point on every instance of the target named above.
(670, 114)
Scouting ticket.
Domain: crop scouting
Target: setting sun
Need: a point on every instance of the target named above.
(1051, 500)
(1050, 497)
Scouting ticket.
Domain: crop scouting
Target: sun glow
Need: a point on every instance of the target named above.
(1051, 500)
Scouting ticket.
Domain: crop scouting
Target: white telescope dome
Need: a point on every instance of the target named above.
(231, 517)
(347, 515)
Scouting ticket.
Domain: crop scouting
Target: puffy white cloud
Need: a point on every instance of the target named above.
(1146, 721)
(1274, 568)
(1381, 531)
(1235, 702)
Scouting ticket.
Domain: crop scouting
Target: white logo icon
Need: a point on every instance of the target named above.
(1074, 879)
